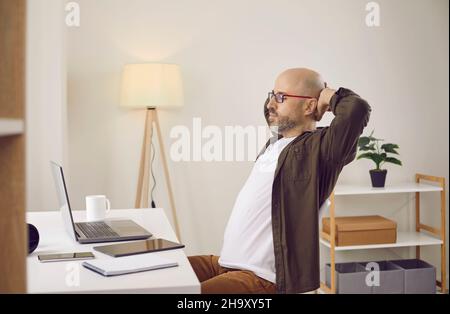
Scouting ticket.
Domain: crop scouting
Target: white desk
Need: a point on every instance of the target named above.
(71, 277)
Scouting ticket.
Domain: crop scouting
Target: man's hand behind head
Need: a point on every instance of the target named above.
(323, 105)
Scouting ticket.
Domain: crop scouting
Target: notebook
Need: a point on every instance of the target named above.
(128, 265)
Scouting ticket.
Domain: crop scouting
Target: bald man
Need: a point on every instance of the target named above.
(271, 242)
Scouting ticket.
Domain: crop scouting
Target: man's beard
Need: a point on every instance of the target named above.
(282, 125)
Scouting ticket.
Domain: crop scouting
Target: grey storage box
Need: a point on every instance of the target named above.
(350, 278)
(419, 276)
(391, 277)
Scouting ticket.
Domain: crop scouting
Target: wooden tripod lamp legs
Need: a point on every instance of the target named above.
(142, 188)
(143, 179)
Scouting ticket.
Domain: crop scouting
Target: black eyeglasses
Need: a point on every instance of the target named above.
(280, 97)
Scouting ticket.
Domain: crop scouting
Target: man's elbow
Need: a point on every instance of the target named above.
(361, 111)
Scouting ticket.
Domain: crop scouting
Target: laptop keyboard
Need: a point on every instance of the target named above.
(97, 230)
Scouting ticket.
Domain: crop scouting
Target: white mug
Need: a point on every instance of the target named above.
(96, 207)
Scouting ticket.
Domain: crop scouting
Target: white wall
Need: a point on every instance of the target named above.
(230, 53)
(46, 116)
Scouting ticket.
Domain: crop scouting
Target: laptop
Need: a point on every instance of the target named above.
(93, 232)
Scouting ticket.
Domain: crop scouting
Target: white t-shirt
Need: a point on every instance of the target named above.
(248, 241)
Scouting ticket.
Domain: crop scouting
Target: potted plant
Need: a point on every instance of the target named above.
(370, 148)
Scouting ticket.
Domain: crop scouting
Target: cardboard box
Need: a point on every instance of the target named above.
(362, 230)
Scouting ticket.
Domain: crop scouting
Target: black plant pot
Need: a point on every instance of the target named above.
(378, 178)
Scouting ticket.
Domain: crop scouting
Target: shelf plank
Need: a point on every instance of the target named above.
(344, 189)
(404, 239)
(11, 126)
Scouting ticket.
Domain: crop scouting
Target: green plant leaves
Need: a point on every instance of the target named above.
(369, 145)
(363, 144)
(393, 160)
(390, 148)
(366, 148)
(366, 155)
(376, 158)
(363, 141)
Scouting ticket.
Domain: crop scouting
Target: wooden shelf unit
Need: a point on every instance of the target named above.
(404, 239)
(13, 233)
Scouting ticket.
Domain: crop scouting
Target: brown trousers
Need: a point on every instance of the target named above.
(216, 279)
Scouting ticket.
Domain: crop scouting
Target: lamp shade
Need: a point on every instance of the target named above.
(151, 85)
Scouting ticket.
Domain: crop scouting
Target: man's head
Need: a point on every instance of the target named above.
(294, 112)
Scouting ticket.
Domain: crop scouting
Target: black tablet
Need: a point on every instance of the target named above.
(138, 247)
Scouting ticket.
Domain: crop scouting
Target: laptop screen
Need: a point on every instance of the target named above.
(63, 199)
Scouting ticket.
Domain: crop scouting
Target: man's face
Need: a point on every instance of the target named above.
(298, 109)
(288, 114)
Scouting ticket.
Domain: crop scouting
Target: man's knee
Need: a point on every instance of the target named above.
(203, 266)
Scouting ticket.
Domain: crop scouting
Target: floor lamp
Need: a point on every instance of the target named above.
(151, 87)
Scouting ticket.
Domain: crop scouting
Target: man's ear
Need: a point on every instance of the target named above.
(310, 107)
